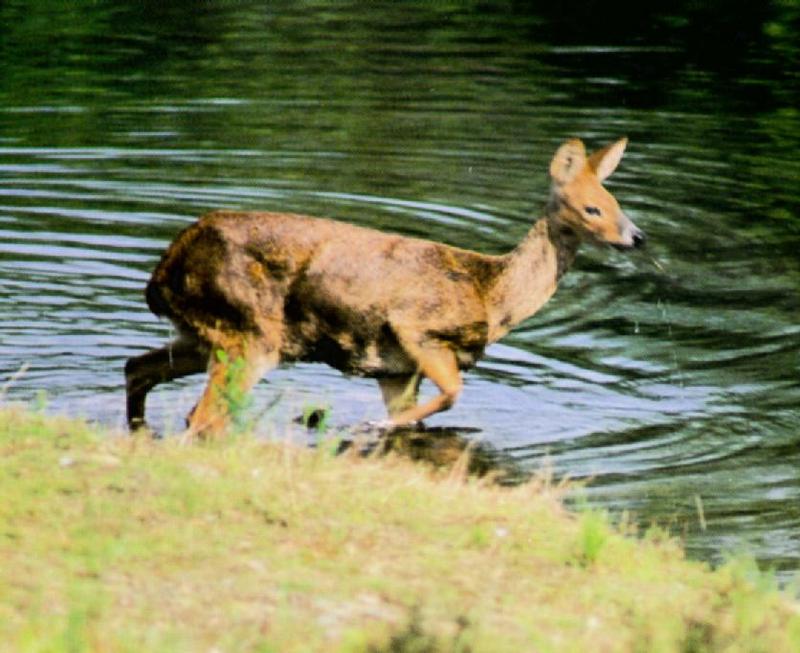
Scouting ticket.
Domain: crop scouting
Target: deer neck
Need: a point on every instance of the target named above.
(529, 275)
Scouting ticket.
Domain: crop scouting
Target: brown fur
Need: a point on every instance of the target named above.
(272, 287)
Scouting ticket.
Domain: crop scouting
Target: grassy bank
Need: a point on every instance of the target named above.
(110, 543)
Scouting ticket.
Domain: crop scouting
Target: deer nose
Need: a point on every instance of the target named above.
(639, 238)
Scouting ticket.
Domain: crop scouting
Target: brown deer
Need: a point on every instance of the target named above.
(270, 287)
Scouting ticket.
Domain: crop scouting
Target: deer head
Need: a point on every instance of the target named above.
(579, 201)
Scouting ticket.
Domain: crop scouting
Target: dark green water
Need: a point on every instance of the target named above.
(666, 375)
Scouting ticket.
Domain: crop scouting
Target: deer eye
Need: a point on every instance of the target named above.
(591, 210)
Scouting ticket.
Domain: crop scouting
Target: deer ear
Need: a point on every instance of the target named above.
(605, 161)
(568, 161)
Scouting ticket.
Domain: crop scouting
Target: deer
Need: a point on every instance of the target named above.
(265, 288)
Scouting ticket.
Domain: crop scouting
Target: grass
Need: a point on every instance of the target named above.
(120, 544)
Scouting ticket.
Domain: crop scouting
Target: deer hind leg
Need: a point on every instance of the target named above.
(399, 392)
(438, 364)
(182, 357)
(233, 369)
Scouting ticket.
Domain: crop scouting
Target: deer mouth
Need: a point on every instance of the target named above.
(637, 241)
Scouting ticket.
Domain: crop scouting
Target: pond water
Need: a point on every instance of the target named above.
(670, 376)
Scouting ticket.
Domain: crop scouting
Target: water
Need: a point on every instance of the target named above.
(670, 377)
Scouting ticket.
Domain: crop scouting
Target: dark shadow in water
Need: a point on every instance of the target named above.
(440, 446)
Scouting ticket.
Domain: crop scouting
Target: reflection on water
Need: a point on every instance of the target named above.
(665, 376)
(458, 450)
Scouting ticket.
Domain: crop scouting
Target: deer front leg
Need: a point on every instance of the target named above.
(438, 364)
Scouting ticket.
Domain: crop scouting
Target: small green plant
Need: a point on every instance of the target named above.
(236, 399)
(40, 401)
(593, 535)
(316, 418)
(745, 573)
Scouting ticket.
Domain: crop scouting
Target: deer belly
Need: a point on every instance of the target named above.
(351, 351)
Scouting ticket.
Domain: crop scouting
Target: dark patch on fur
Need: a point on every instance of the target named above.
(458, 276)
(293, 308)
(391, 246)
(469, 338)
(322, 330)
(187, 285)
(276, 267)
(155, 299)
(328, 350)
(387, 335)
(471, 333)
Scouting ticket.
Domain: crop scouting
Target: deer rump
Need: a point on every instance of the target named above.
(310, 289)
